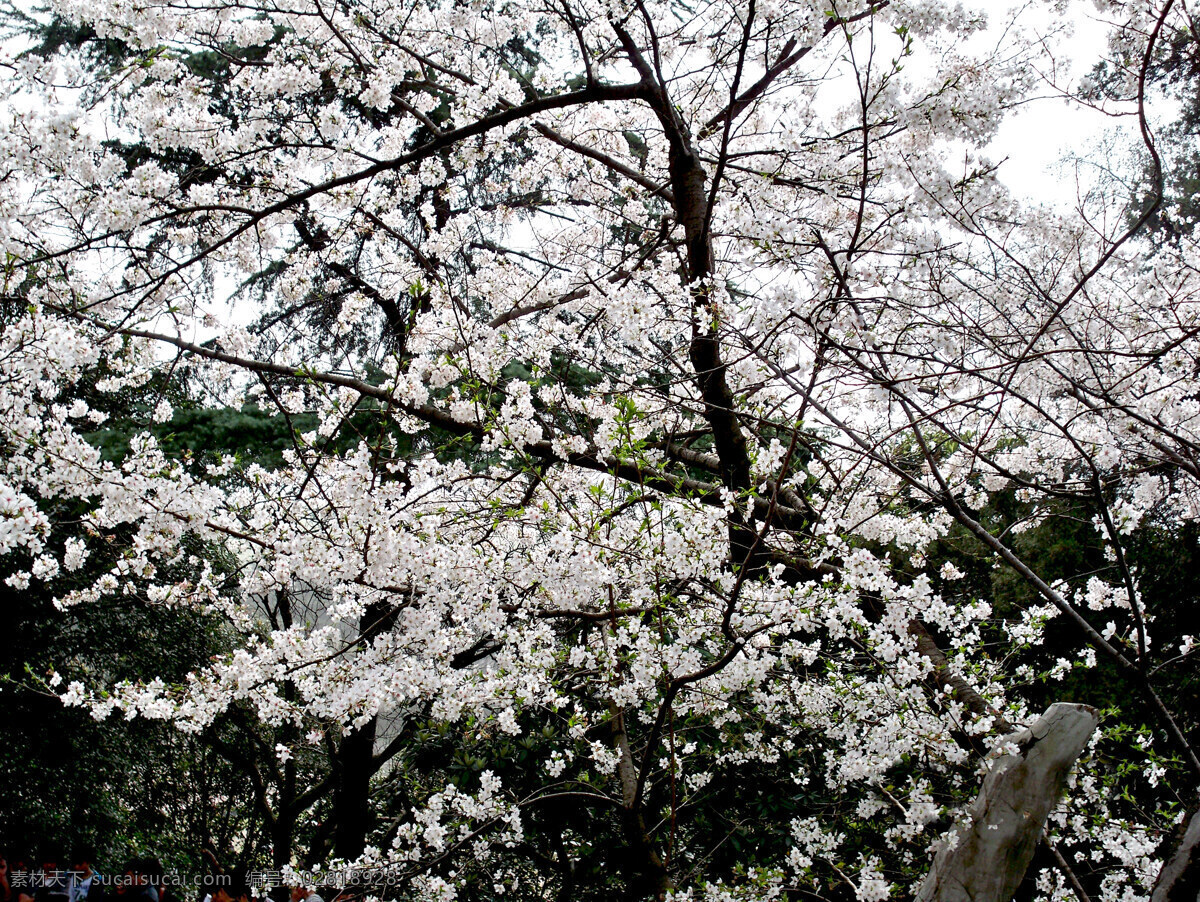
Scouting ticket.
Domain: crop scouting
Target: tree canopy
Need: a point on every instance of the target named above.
(586, 450)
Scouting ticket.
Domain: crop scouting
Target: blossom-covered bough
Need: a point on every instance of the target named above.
(664, 364)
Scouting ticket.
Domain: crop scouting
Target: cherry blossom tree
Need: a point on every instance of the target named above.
(667, 381)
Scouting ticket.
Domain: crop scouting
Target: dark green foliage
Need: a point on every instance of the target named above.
(199, 434)
(1175, 71)
(127, 787)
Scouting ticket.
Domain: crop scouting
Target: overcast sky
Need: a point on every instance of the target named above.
(1034, 139)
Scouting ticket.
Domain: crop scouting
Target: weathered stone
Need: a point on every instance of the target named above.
(991, 847)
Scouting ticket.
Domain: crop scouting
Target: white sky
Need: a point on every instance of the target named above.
(1034, 139)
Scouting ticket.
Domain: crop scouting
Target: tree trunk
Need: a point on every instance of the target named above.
(355, 759)
(352, 792)
(990, 849)
(1179, 880)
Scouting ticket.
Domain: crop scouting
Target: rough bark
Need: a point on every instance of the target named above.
(992, 846)
(355, 761)
(352, 792)
(1179, 880)
(960, 690)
